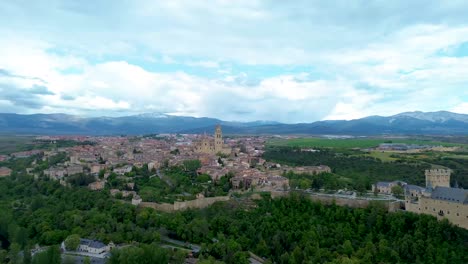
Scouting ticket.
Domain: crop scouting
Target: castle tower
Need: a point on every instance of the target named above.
(437, 177)
(218, 139)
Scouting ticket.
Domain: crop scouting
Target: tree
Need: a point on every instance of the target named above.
(87, 260)
(101, 174)
(262, 248)
(348, 248)
(175, 151)
(14, 253)
(72, 242)
(53, 254)
(21, 237)
(192, 165)
(27, 258)
(3, 256)
(397, 190)
(243, 149)
(68, 260)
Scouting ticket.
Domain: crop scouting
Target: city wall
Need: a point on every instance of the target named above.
(205, 202)
(354, 203)
(178, 206)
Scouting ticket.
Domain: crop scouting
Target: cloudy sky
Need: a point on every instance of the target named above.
(290, 61)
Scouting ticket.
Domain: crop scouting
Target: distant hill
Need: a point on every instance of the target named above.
(410, 123)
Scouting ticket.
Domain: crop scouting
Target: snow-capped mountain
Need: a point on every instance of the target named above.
(434, 123)
(440, 116)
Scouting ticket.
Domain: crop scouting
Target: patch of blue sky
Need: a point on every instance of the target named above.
(268, 71)
(455, 51)
(193, 66)
(405, 72)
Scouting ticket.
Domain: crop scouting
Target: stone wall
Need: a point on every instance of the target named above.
(178, 206)
(205, 202)
(354, 203)
(199, 203)
(165, 207)
(341, 201)
(456, 213)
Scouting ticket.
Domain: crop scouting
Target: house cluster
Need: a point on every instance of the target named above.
(61, 171)
(401, 147)
(241, 157)
(26, 154)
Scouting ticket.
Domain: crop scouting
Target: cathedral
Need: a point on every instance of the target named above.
(212, 146)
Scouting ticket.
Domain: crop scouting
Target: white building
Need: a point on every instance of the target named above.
(92, 246)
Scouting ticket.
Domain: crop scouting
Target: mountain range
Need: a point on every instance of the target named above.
(408, 123)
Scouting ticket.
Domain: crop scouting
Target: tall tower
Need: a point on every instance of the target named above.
(218, 139)
(437, 177)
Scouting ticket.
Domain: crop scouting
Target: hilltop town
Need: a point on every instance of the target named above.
(173, 173)
(117, 164)
(102, 158)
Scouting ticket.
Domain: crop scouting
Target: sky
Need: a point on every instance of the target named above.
(288, 61)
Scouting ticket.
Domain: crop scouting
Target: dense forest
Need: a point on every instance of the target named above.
(44, 212)
(362, 170)
(287, 230)
(365, 170)
(297, 230)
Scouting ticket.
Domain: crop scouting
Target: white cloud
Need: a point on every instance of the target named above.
(110, 59)
(461, 108)
(204, 64)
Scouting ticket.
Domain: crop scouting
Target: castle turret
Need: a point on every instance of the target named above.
(438, 177)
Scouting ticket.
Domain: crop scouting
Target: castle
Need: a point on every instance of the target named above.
(439, 200)
(212, 146)
(437, 177)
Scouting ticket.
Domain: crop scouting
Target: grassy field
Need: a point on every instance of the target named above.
(456, 157)
(9, 144)
(383, 156)
(352, 143)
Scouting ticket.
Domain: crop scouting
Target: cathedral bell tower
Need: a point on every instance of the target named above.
(218, 139)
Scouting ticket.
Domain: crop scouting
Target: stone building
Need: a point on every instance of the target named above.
(97, 185)
(386, 187)
(92, 246)
(4, 171)
(438, 177)
(439, 200)
(214, 145)
(309, 169)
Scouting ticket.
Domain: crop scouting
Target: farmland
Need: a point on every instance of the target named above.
(353, 142)
(9, 144)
